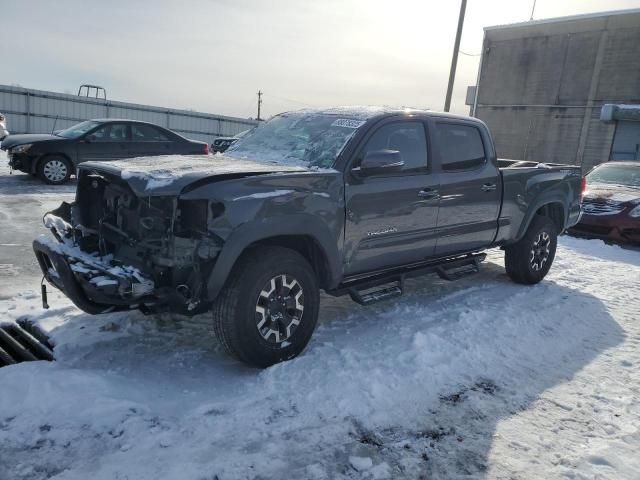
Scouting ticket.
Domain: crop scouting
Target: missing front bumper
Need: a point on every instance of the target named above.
(93, 285)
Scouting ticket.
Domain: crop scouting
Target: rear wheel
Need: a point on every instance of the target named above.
(54, 170)
(268, 309)
(528, 261)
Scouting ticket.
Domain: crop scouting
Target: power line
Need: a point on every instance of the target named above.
(290, 100)
(469, 54)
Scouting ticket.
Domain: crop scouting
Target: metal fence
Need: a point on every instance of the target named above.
(39, 111)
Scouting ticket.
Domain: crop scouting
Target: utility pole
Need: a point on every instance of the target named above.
(533, 9)
(259, 103)
(454, 60)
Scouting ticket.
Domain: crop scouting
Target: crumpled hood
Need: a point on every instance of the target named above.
(13, 140)
(170, 174)
(614, 193)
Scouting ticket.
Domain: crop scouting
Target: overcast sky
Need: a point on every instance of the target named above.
(213, 55)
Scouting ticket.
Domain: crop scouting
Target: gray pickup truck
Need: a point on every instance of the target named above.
(347, 200)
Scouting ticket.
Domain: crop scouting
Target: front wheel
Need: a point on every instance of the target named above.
(528, 261)
(268, 309)
(54, 170)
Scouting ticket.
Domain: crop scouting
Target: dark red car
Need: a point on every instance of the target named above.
(611, 206)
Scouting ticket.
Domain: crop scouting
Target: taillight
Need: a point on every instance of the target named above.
(205, 149)
(583, 186)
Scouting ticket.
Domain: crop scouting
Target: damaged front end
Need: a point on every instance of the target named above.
(115, 250)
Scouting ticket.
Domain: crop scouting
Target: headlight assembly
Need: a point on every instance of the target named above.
(21, 148)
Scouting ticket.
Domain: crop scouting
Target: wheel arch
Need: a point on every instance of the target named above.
(554, 207)
(35, 166)
(556, 212)
(316, 245)
(305, 245)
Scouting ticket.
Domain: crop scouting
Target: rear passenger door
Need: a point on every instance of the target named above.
(470, 187)
(148, 140)
(391, 217)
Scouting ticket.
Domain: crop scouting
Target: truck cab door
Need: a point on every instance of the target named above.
(108, 142)
(391, 217)
(470, 187)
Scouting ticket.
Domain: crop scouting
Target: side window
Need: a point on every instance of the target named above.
(460, 146)
(408, 138)
(111, 132)
(146, 133)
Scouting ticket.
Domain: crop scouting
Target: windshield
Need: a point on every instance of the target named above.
(610, 173)
(299, 139)
(78, 130)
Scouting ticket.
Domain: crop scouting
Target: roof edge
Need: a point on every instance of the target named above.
(584, 16)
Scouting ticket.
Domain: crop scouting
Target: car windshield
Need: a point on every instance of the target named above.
(78, 130)
(298, 139)
(610, 173)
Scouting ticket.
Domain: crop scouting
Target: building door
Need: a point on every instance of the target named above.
(626, 142)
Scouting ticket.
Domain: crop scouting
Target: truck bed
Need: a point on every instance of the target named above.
(527, 184)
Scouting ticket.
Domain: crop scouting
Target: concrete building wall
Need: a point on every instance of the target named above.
(543, 83)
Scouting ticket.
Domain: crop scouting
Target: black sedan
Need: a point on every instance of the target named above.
(55, 157)
(221, 144)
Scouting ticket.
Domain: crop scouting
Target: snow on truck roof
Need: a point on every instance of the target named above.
(369, 112)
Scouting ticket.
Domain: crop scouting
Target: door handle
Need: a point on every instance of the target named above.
(429, 194)
(489, 187)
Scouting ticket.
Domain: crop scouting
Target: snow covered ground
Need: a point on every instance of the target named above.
(480, 378)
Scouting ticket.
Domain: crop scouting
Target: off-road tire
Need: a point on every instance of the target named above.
(54, 170)
(519, 258)
(234, 311)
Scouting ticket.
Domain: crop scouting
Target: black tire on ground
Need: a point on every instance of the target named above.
(54, 170)
(267, 292)
(528, 261)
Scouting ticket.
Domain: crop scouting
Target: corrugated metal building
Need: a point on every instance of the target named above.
(542, 86)
(39, 111)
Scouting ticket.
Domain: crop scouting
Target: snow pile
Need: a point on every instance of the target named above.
(57, 223)
(91, 263)
(611, 193)
(475, 378)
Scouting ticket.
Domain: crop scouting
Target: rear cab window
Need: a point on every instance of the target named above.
(461, 146)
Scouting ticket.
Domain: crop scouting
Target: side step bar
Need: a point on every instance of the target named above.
(377, 295)
(459, 268)
(363, 290)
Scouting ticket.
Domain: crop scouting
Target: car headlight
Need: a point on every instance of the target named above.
(635, 213)
(21, 148)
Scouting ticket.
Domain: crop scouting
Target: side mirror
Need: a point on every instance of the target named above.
(90, 138)
(380, 161)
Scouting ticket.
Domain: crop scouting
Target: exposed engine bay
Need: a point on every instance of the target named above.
(150, 253)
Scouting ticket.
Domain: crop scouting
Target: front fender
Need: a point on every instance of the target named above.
(247, 234)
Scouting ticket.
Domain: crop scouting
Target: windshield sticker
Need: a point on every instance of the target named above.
(347, 123)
